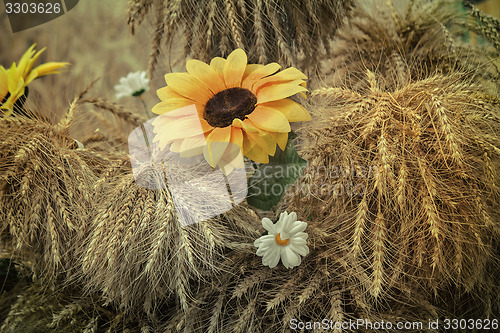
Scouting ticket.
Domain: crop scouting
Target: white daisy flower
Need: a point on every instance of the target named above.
(134, 84)
(286, 240)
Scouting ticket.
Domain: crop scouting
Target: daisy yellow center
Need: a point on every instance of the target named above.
(229, 104)
(280, 241)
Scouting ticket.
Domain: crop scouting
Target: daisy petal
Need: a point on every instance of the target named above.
(297, 241)
(285, 258)
(300, 236)
(279, 91)
(292, 258)
(292, 110)
(187, 86)
(297, 226)
(234, 68)
(274, 257)
(269, 225)
(301, 249)
(269, 119)
(206, 75)
(264, 242)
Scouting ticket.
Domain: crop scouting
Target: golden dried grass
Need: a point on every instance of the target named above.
(251, 297)
(289, 32)
(407, 182)
(45, 191)
(414, 40)
(138, 255)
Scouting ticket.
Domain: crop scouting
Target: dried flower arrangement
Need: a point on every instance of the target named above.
(396, 216)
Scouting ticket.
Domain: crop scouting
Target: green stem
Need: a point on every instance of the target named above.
(148, 113)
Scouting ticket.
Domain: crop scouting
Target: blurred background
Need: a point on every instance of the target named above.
(95, 38)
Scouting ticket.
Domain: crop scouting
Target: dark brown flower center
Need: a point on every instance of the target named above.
(229, 104)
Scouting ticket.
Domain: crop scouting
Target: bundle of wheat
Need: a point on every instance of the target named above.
(45, 184)
(254, 298)
(139, 255)
(285, 32)
(408, 43)
(408, 178)
(29, 307)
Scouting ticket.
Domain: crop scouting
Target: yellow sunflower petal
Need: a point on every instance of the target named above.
(188, 86)
(193, 146)
(16, 84)
(30, 64)
(206, 75)
(167, 129)
(265, 141)
(279, 91)
(217, 142)
(218, 63)
(171, 104)
(176, 145)
(257, 154)
(246, 126)
(251, 68)
(231, 159)
(31, 76)
(269, 119)
(234, 68)
(165, 93)
(258, 74)
(4, 83)
(27, 60)
(280, 138)
(237, 136)
(289, 74)
(292, 110)
(191, 110)
(50, 68)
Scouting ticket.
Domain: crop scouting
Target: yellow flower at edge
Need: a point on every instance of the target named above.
(14, 80)
(239, 103)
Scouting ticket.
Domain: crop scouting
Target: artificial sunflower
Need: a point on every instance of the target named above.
(233, 104)
(14, 80)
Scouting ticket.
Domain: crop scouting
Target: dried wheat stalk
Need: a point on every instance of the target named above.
(406, 181)
(409, 43)
(285, 32)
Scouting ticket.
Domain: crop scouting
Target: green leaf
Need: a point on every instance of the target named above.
(270, 181)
